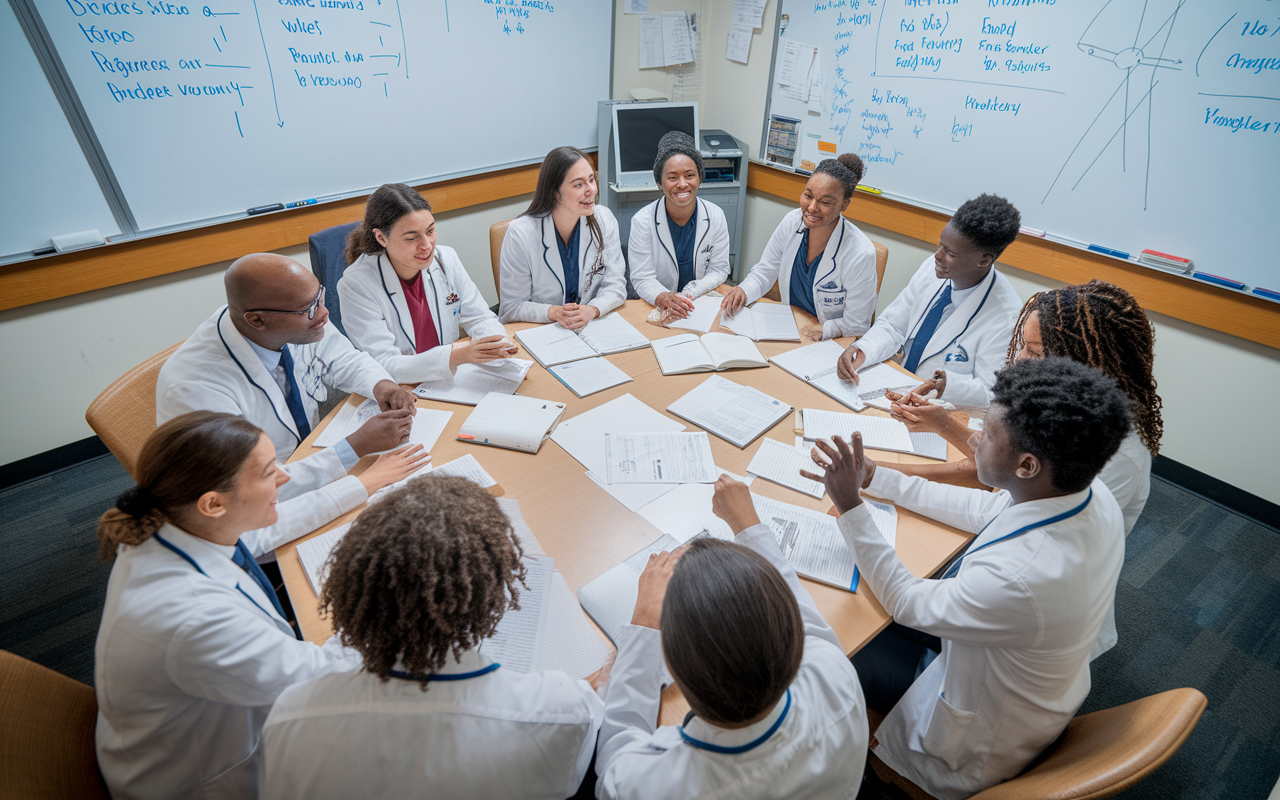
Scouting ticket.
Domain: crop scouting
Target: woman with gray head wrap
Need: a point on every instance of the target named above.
(679, 245)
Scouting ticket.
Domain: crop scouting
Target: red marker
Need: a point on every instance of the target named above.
(466, 436)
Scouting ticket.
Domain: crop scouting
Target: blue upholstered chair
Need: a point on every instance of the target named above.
(328, 262)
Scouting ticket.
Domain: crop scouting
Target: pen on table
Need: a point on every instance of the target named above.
(1107, 251)
(868, 189)
(264, 209)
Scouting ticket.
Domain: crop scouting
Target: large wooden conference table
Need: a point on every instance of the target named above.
(588, 532)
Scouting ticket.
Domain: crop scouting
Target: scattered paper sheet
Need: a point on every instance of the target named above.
(659, 458)
(516, 642)
(313, 555)
(472, 382)
(524, 535)
(589, 375)
(685, 511)
(748, 12)
(796, 63)
(569, 643)
(428, 424)
(929, 445)
(583, 436)
(703, 316)
(610, 599)
(677, 41)
(737, 45)
(467, 467)
(631, 495)
(880, 433)
(736, 413)
(781, 464)
(636, 7)
(348, 420)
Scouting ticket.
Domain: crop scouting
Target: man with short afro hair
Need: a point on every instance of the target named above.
(1000, 642)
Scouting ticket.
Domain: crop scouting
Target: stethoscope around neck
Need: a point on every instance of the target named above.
(660, 208)
(802, 230)
(254, 383)
(435, 298)
(916, 328)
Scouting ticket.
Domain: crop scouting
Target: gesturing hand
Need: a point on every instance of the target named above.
(732, 503)
(919, 415)
(936, 384)
(653, 588)
(847, 470)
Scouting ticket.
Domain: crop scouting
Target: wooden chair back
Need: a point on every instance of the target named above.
(124, 415)
(882, 260)
(497, 234)
(47, 725)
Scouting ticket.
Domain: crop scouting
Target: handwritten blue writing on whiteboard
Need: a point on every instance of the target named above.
(104, 35)
(1237, 124)
(112, 9)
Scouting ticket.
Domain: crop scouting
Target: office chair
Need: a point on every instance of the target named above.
(47, 725)
(328, 262)
(1098, 755)
(124, 415)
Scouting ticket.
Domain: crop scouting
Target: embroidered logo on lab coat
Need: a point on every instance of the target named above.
(960, 355)
(451, 299)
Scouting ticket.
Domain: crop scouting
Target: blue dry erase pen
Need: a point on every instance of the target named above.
(1107, 251)
(1217, 280)
(1267, 293)
(300, 203)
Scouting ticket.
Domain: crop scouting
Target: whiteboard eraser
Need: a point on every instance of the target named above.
(75, 241)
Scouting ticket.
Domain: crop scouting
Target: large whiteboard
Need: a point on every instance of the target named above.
(1126, 123)
(206, 108)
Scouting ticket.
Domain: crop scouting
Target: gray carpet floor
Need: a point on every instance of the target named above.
(1198, 604)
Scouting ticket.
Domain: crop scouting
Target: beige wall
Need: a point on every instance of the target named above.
(58, 356)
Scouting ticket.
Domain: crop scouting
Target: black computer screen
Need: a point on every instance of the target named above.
(640, 128)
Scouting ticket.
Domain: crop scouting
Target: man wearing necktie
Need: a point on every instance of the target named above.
(956, 314)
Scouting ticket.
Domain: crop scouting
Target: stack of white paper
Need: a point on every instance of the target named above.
(589, 375)
(467, 467)
(781, 464)
(764, 322)
(703, 316)
(472, 382)
(313, 554)
(583, 438)
(880, 433)
(672, 457)
(738, 414)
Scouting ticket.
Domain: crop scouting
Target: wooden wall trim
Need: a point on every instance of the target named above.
(49, 278)
(1223, 310)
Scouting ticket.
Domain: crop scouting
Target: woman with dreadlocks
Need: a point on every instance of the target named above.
(416, 587)
(1095, 323)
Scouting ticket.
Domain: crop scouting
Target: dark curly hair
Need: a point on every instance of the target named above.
(731, 631)
(1099, 324)
(989, 221)
(426, 572)
(848, 169)
(1068, 414)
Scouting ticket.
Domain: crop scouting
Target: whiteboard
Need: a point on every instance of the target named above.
(49, 188)
(207, 109)
(1130, 124)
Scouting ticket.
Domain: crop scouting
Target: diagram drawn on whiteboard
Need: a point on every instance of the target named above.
(1132, 36)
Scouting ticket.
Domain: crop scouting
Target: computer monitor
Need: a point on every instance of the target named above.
(637, 127)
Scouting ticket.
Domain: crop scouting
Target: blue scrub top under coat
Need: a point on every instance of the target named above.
(684, 237)
(569, 260)
(802, 273)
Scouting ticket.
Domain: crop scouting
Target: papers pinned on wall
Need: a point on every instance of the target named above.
(665, 40)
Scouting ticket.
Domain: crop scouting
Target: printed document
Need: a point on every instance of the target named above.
(518, 638)
(659, 458)
(313, 555)
(569, 643)
(880, 433)
(467, 467)
(738, 414)
(781, 464)
(811, 541)
(764, 322)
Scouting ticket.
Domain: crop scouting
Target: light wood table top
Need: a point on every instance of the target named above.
(588, 532)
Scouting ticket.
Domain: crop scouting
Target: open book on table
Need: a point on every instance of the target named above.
(772, 322)
(556, 344)
(711, 352)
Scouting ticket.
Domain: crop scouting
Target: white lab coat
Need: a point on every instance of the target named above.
(971, 344)
(1128, 475)
(652, 254)
(500, 735)
(844, 286)
(217, 370)
(531, 276)
(187, 666)
(376, 314)
(818, 751)
(1016, 623)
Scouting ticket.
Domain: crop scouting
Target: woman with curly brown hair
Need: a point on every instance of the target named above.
(1094, 323)
(416, 586)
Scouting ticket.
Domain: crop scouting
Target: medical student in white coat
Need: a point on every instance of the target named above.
(405, 299)
(777, 708)
(1013, 618)
(270, 356)
(1098, 324)
(416, 586)
(193, 647)
(957, 313)
(821, 262)
(678, 248)
(561, 259)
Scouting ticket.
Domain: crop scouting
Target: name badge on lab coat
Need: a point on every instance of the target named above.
(830, 295)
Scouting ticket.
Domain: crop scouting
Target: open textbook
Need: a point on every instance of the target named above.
(555, 344)
(815, 364)
(711, 352)
(772, 322)
(511, 421)
(472, 382)
(738, 414)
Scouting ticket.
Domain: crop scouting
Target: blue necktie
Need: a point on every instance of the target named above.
(244, 560)
(925, 333)
(294, 399)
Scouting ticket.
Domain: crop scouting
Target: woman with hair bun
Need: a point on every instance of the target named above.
(679, 245)
(821, 262)
(406, 300)
(193, 647)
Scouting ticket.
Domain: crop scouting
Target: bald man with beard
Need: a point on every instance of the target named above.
(270, 356)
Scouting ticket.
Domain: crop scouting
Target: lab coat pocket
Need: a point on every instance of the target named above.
(944, 738)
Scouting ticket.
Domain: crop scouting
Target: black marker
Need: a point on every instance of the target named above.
(44, 251)
(264, 209)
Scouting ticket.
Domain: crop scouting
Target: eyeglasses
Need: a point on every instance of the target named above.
(310, 310)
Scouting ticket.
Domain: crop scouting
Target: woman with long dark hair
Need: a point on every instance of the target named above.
(562, 260)
(406, 299)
